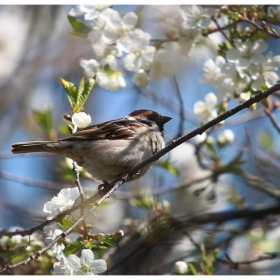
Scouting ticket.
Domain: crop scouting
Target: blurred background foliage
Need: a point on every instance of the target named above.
(35, 50)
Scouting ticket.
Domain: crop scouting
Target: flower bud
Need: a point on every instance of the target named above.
(81, 120)
(180, 267)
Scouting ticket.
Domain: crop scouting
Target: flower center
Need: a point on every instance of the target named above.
(121, 32)
(85, 268)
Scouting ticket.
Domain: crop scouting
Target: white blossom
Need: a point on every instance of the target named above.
(117, 27)
(63, 201)
(62, 267)
(246, 52)
(226, 137)
(81, 120)
(100, 24)
(187, 40)
(109, 61)
(162, 66)
(200, 138)
(232, 84)
(112, 81)
(140, 53)
(93, 12)
(15, 239)
(141, 78)
(196, 16)
(244, 96)
(180, 267)
(86, 265)
(101, 49)
(212, 71)
(265, 71)
(206, 110)
(229, 135)
(51, 235)
(84, 10)
(91, 66)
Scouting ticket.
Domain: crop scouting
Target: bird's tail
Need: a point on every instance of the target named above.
(32, 147)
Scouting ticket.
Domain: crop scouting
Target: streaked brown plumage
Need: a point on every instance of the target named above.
(106, 150)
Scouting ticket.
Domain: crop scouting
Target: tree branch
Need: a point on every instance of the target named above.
(114, 185)
(181, 104)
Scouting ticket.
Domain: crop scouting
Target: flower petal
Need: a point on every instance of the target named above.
(87, 256)
(130, 19)
(74, 262)
(98, 266)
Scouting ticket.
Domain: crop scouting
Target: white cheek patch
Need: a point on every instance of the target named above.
(130, 118)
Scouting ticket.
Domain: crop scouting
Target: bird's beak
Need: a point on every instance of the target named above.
(164, 119)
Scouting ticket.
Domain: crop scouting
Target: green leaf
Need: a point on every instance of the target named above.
(194, 268)
(73, 248)
(109, 241)
(168, 165)
(81, 30)
(64, 222)
(71, 92)
(208, 259)
(91, 246)
(77, 97)
(75, 23)
(83, 94)
(44, 119)
(234, 166)
(80, 89)
(145, 202)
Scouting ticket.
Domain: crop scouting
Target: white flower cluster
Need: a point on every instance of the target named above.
(206, 110)
(63, 201)
(113, 35)
(32, 239)
(222, 139)
(73, 265)
(189, 23)
(244, 67)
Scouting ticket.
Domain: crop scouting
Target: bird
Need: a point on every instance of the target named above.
(109, 149)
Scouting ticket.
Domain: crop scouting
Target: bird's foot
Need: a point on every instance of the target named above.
(102, 186)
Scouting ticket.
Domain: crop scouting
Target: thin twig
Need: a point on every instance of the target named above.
(254, 99)
(223, 32)
(33, 182)
(253, 213)
(272, 118)
(263, 29)
(109, 190)
(181, 104)
(235, 265)
(82, 194)
(262, 184)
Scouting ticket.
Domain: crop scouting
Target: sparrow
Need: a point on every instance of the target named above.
(108, 149)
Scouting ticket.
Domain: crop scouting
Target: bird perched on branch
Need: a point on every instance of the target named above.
(108, 149)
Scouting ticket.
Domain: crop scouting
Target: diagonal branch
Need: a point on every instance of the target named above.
(175, 143)
(114, 185)
(69, 230)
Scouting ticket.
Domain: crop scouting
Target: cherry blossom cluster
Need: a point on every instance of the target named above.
(112, 36)
(73, 265)
(85, 265)
(244, 67)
